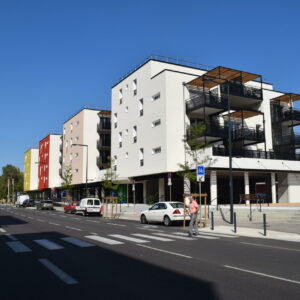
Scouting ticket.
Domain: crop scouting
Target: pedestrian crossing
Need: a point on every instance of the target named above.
(110, 239)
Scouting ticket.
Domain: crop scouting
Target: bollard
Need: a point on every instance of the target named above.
(208, 211)
(212, 221)
(265, 224)
(234, 221)
(250, 216)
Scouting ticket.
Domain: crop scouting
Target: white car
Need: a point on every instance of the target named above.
(21, 199)
(89, 206)
(164, 212)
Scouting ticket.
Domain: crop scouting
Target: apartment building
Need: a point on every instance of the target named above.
(86, 147)
(154, 105)
(49, 165)
(31, 158)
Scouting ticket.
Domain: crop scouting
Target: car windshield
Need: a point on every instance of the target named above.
(176, 205)
(96, 202)
(48, 201)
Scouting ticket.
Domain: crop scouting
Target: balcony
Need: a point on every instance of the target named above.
(60, 172)
(61, 148)
(103, 127)
(205, 103)
(101, 162)
(103, 143)
(60, 160)
(286, 140)
(248, 135)
(218, 151)
(289, 117)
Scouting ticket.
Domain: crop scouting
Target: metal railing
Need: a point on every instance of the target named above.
(103, 127)
(242, 90)
(251, 134)
(211, 129)
(286, 115)
(291, 139)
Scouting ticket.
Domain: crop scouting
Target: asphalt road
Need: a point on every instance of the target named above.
(51, 255)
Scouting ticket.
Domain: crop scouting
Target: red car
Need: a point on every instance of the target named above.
(71, 207)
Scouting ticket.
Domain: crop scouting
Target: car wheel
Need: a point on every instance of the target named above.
(167, 221)
(143, 219)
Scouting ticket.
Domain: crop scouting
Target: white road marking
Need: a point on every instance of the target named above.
(62, 216)
(128, 238)
(40, 220)
(273, 247)
(150, 229)
(30, 218)
(18, 247)
(73, 228)
(150, 226)
(57, 271)
(175, 236)
(11, 237)
(219, 234)
(198, 236)
(2, 230)
(23, 216)
(94, 233)
(151, 237)
(122, 225)
(54, 223)
(93, 221)
(52, 214)
(48, 244)
(76, 218)
(262, 274)
(103, 240)
(165, 251)
(77, 242)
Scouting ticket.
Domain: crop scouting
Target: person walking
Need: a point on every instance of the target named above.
(194, 208)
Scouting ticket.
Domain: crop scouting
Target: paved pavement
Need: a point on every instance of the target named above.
(48, 254)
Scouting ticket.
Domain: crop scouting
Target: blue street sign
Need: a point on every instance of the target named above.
(200, 170)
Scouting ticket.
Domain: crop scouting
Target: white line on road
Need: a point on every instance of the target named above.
(219, 234)
(62, 216)
(48, 244)
(128, 238)
(151, 237)
(262, 274)
(11, 237)
(40, 220)
(54, 223)
(94, 233)
(57, 271)
(77, 242)
(198, 236)
(73, 228)
(115, 224)
(30, 218)
(150, 229)
(150, 226)
(18, 247)
(76, 218)
(273, 247)
(165, 251)
(92, 221)
(103, 240)
(175, 236)
(2, 230)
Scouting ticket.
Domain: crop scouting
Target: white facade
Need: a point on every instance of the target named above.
(54, 164)
(148, 125)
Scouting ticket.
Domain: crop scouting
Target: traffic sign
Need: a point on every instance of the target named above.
(169, 178)
(200, 173)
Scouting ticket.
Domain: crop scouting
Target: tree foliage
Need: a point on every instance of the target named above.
(10, 172)
(67, 178)
(110, 181)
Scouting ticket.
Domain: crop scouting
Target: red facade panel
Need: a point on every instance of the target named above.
(43, 171)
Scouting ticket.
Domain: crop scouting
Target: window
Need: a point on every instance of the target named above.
(75, 170)
(115, 162)
(126, 109)
(71, 127)
(156, 150)
(141, 107)
(77, 123)
(126, 132)
(120, 139)
(134, 87)
(126, 155)
(76, 154)
(105, 122)
(156, 123)
(90, 202)
(156, 96)
(134, 134)
(126, 86)
(120, 96)
(77, 138)
(141, 156)
(116, 120)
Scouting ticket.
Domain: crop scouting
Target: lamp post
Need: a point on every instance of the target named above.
(86, 170)
(229, 145)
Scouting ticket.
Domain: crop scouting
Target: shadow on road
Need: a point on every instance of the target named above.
(9, 220)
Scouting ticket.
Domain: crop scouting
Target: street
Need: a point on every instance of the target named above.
(49, 254)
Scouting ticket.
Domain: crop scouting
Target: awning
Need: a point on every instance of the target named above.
(290, 97)
(243, 114)
(220, 75)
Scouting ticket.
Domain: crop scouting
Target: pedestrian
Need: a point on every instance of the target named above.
(194, 208)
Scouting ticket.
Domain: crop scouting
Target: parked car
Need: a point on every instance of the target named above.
(89, 206)
(44, 204)
(71, 207)
(28, 203)
(164, 212)
(21, 199)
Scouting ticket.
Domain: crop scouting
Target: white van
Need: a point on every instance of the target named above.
(89, 206)
(21, 199)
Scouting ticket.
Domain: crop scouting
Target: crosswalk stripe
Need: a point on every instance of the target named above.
(18, 247)
(151, 237)
(77, 242)
(219, 234)
(48, 244)
(103, 240)
(128, 238)
(2, 230)
(175, 236)
(199, 236)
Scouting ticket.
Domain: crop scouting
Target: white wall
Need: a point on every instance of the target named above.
(54, 165)
(34, 169)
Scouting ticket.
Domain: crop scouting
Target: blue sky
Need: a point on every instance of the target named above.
(57, 56)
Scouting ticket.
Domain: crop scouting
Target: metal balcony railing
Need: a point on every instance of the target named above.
(214, 130)
(218, 151)
(105, 126)
(286, 115)
(103, 143)
(206, 99)
(238, 89)
(246, 133)
(292, 139)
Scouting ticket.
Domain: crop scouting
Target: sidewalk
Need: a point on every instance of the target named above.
(253, 232)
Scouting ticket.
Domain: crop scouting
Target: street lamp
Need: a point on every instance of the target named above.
(87, 160)
(205, 79)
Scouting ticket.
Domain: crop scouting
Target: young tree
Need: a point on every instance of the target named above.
(195, 153)
(110, 181)
(67, 177)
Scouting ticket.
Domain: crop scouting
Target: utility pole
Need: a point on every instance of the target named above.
(13, 189)
(7, 189)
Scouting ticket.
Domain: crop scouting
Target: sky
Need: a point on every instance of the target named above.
(57, 56)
